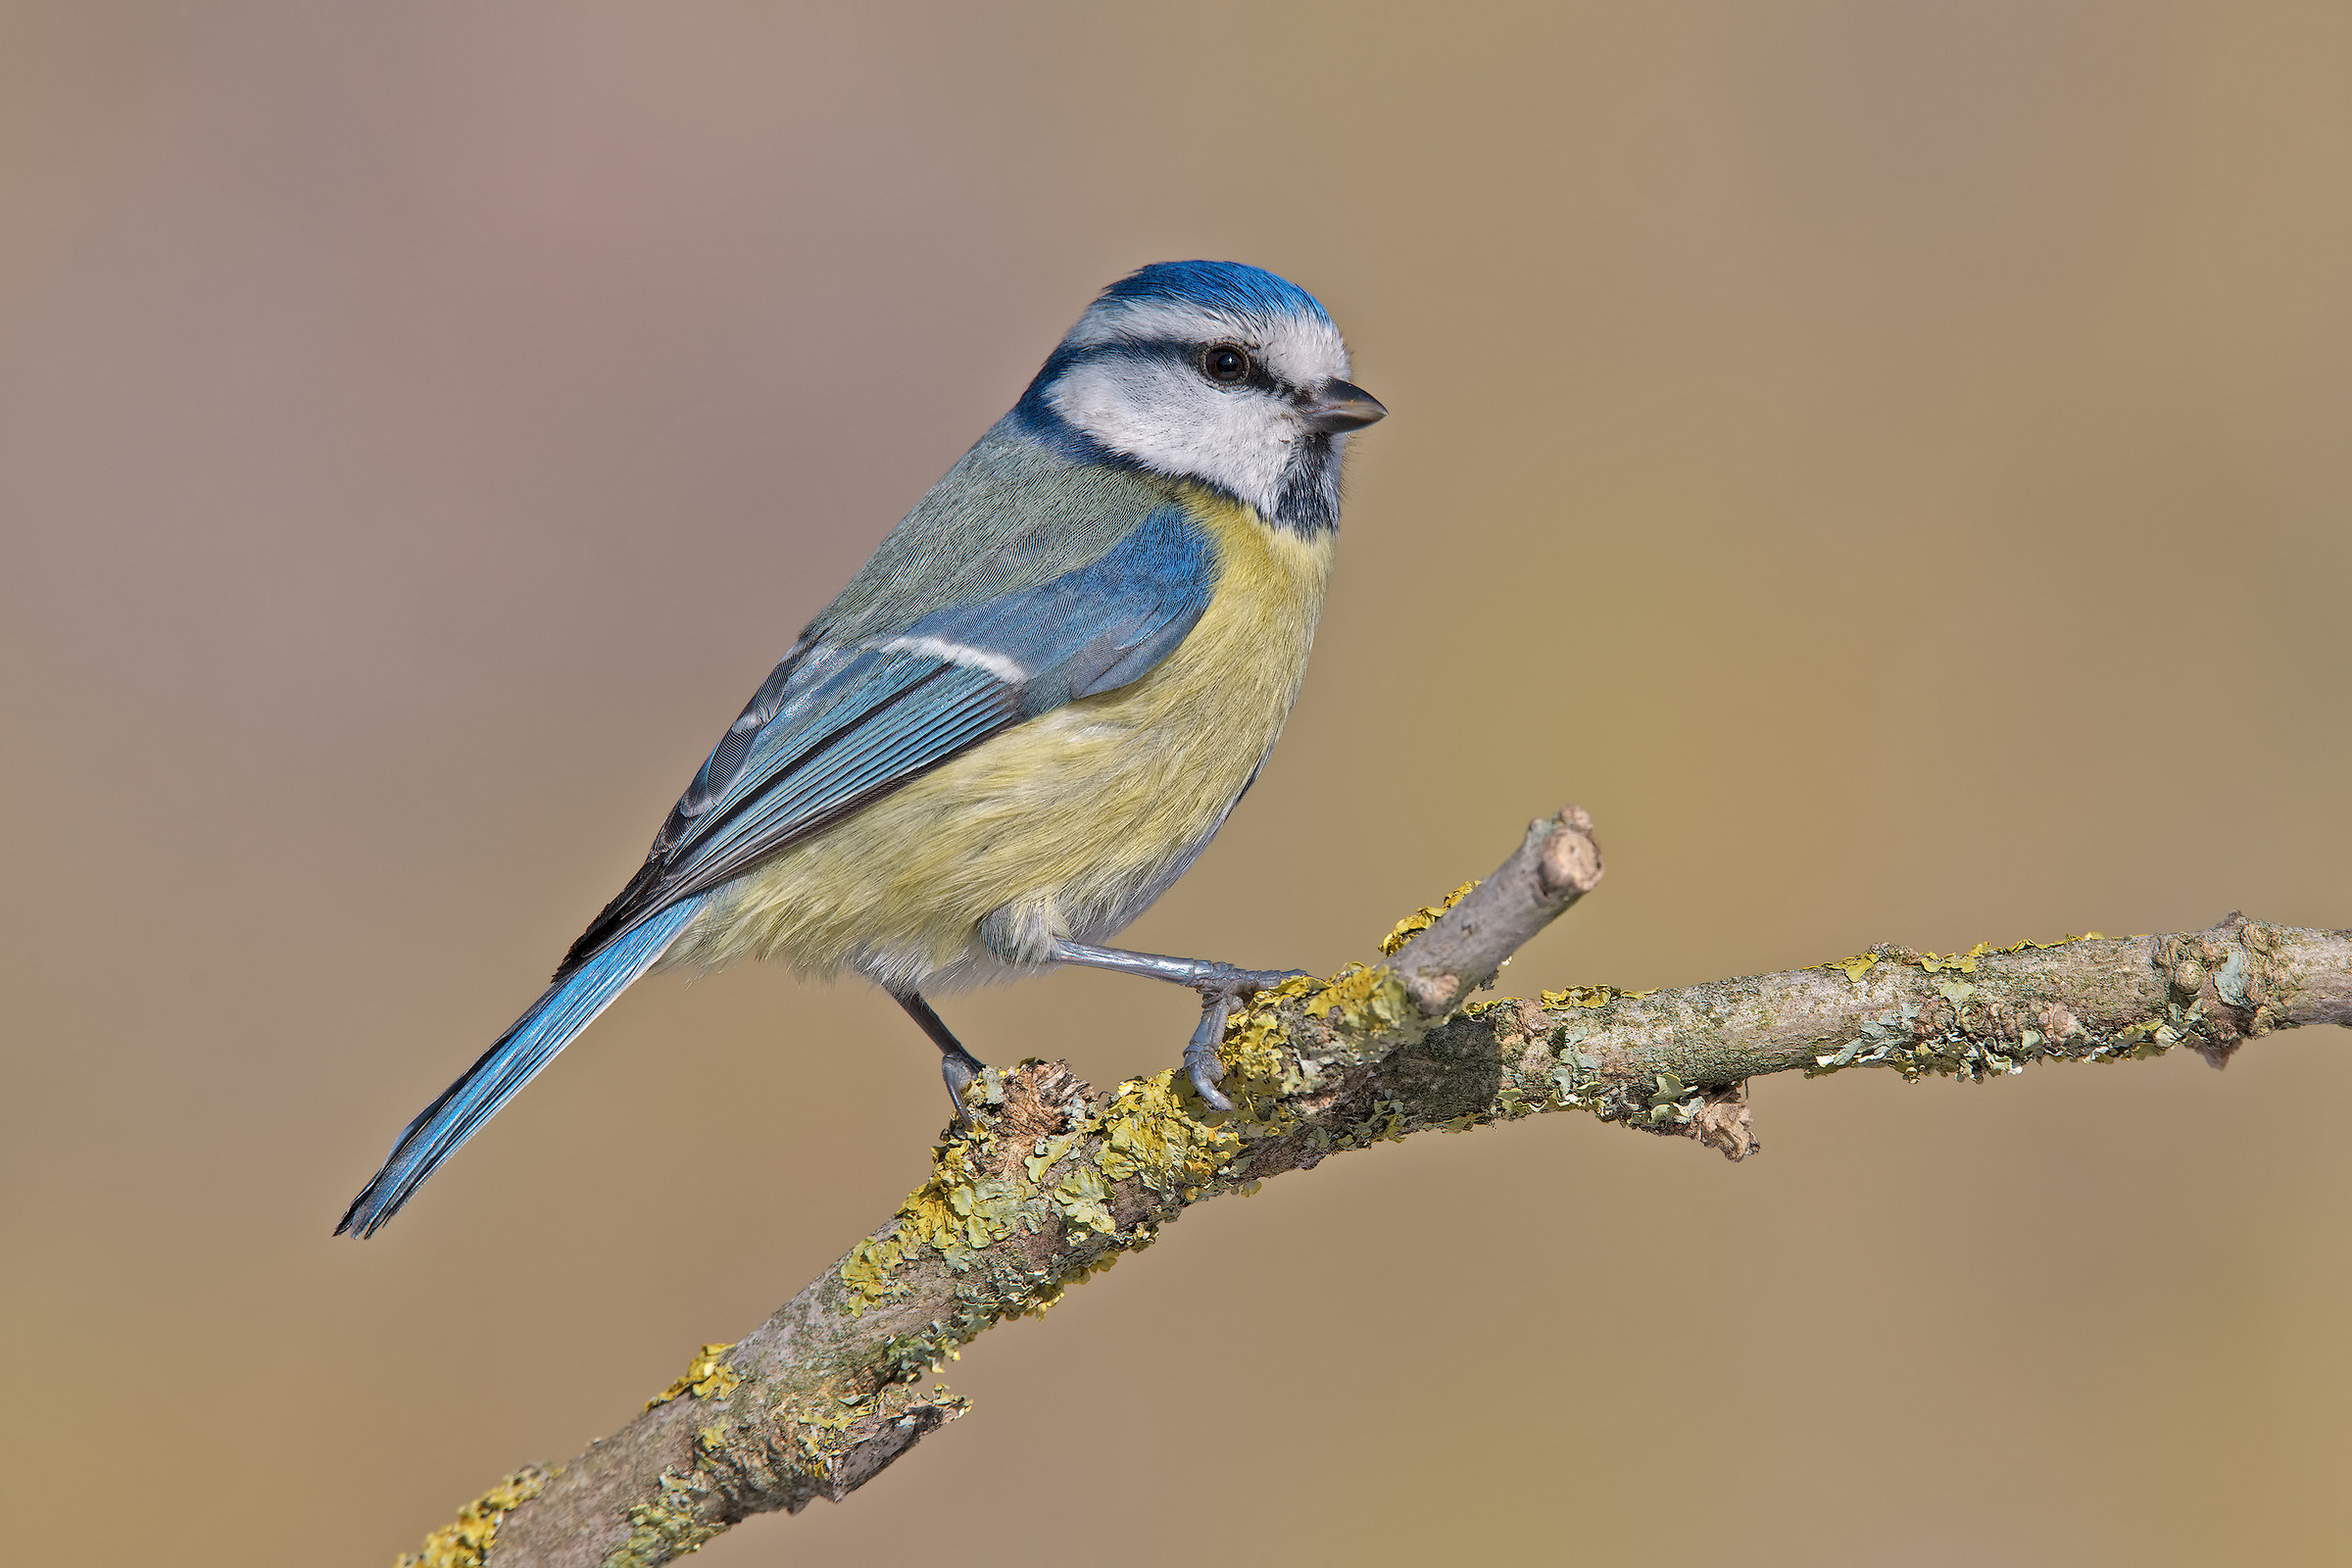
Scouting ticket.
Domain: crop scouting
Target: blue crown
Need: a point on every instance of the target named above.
(1219, 285)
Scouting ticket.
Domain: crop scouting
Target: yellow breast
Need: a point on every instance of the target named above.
(1066, 825)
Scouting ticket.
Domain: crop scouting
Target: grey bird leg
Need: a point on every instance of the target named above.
(956, 1065)
(1220, 985)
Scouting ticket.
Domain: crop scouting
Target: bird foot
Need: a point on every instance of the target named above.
(959, 1070)
(1221, 984)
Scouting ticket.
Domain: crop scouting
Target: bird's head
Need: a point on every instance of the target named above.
(1212, 372)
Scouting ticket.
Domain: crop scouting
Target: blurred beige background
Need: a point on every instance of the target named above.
(1891, 459)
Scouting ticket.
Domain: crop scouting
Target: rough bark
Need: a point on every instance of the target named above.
(1060, 1180)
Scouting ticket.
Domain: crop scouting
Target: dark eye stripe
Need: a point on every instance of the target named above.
(1187, 354)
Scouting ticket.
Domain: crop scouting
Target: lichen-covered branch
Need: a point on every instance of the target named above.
(1058, 1180)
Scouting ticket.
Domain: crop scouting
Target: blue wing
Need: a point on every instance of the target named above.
(834, 727)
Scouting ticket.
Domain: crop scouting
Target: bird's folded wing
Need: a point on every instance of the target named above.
(836, 726)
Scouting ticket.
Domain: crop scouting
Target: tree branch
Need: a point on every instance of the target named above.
(1059, 1182)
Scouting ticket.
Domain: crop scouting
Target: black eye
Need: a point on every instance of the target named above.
(1222, 361)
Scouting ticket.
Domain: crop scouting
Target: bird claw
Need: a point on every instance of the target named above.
(1220, 988)
(960, 1071)
(1201, 1060)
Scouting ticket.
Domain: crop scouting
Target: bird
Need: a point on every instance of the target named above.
(1024, 718)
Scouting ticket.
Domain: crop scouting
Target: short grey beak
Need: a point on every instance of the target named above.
(1343, 405)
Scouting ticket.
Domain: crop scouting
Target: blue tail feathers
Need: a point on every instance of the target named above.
(571, 1005)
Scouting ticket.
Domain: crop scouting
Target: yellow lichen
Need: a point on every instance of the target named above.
(957, 1211)
(869, 1269)
(1367, 1000)
(1153, 1129)
(1589, 996)
(963, 1209)
(467, 1543)
(1042, 1157)
(1082, 1201)
(1149, 1134)
(1258, 1071)
(1966, 962)
(1861, 964)
(1421, 920)
(706, 1378)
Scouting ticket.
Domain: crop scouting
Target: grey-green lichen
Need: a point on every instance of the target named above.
(1959, 1030)
(1677, 1066)
(774, 1451)
(669, 1526)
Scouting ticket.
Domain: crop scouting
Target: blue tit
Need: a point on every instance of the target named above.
(1026, 716)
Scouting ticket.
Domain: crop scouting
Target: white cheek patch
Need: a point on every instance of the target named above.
(1167, 417)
